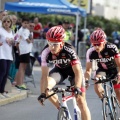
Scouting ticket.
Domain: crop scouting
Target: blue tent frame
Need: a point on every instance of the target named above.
(48, 7)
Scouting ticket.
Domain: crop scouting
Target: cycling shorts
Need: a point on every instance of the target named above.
(110, 74)
(59, 75)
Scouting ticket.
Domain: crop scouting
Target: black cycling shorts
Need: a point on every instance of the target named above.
(112, 73)
(59, 75)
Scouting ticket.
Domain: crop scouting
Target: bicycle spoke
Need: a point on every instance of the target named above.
(116, 108)
(63, 114)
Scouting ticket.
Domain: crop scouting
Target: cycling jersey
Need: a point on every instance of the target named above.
(64, 61)
(66, 58)
(105, 59)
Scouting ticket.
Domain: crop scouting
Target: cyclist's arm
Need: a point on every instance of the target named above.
(88, 70)
(117, 60)
(43, 80)
(78, 75)
(116, 54)
(44, 69)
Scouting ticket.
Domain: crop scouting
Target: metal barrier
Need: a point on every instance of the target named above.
(38, 45)
(82, 53)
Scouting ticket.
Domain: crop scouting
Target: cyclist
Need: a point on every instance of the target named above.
(66, 62)
(107, 57)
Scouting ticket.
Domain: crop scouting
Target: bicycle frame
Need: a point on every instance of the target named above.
(65, 99)
(106, 95)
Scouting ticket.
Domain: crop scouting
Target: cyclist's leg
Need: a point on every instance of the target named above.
(98, 87)
(114, 73)
(82, 104)
(117, 91)
(55, 77)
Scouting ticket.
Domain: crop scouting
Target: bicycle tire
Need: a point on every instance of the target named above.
(106, 110)
(116, 107)
(63, 114)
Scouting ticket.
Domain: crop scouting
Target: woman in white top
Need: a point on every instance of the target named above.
(2, 14)
(6, 38)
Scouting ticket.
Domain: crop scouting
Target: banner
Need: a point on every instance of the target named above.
(85, 4)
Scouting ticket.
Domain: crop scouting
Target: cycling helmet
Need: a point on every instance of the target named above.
(56, 34)
(98, 36)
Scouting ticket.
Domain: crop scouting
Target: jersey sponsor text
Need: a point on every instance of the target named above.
(104, 60)
(60, 61)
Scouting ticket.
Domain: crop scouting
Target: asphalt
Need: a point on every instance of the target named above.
(15, 94)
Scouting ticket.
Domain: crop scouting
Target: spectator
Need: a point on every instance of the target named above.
(116, 37)
(13, 70)
(37, 28)
(80, 37)
(49, 25)
(19, 23)
(14, 25)
(24, 52)
(2, 14)
(31, 29)
(69, 33)
(6, 37)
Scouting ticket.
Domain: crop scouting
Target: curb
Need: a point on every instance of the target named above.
(15, 96)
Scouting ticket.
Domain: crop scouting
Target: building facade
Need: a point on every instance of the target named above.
(2, 3)
(109, 9)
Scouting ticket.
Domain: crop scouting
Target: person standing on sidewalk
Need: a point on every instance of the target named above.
(7, 39)
(24, 53)
(2, 14)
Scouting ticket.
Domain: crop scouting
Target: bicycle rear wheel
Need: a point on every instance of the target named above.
(107, 111)
(63, 114)
(116, 107)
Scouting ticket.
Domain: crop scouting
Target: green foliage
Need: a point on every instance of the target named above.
(92, 21)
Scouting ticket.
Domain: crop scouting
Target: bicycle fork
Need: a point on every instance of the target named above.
(64, 105)
(109, 101)
(77, 113)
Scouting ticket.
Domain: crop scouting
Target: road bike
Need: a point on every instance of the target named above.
(64, 112)
(110, 104)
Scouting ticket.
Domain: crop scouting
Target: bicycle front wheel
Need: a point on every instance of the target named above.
(63, 114)
(116, 107)
(107, 111)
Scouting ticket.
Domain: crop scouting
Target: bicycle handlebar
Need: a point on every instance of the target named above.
(102, 80)
(60, 90)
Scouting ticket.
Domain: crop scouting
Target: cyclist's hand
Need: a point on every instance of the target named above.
(77, 91)
(87, 84)
(42, 98)
(118, 79)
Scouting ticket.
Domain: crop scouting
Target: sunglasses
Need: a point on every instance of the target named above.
(96, 44)
(6, 21)
(54, 44)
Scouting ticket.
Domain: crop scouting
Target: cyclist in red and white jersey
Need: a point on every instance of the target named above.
(107, 57)
(67, 63)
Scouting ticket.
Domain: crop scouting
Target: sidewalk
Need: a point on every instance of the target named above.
(15, 95)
